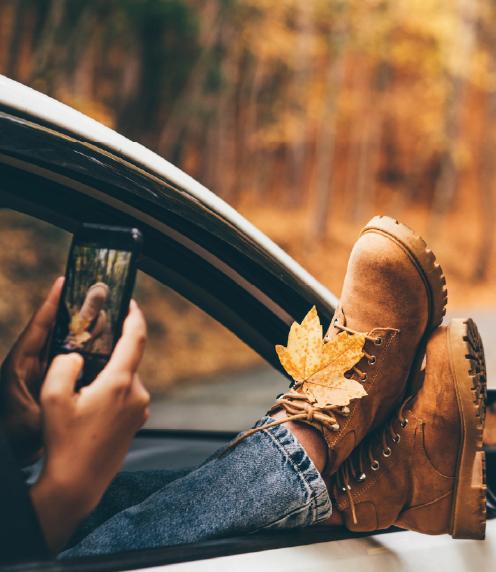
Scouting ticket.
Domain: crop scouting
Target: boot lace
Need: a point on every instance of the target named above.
(298, 406)
(365, 458)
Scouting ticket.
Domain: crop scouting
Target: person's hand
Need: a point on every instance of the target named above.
(21, 375)
(87, 434)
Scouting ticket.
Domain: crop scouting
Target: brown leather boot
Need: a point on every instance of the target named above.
(394, 292)
(425, 470)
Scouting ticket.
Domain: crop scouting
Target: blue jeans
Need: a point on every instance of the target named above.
(267, 481)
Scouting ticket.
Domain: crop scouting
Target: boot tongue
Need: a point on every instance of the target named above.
(340, 318)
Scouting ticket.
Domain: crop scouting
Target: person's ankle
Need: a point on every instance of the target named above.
(309, 438)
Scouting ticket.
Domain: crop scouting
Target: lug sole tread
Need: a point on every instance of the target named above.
(426, 263)
(469, 504)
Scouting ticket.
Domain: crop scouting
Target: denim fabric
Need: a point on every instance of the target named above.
(126, 490)
(267, 481)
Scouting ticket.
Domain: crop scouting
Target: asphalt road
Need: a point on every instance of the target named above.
(231, 402)
(228, 402)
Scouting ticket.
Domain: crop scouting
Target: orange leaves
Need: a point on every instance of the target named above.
(319, 366)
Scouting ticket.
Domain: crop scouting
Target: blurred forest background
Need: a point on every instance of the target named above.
(309, 116)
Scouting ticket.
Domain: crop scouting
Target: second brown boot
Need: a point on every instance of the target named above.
(425, 471)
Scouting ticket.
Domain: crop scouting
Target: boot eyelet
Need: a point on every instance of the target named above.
(335, 427)
(375, 465)
(348, 375)
(387, 452)
(378, 341)
(361, 477)
(364, 378)
(397, 439)
(372, 360)
(404, 423)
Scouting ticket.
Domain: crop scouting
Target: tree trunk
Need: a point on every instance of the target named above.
(47, 46)
(15, 39)
(487, 172)
(325, 147)
(298, 150)
(179, 115)
(446, 187)
(370, 144)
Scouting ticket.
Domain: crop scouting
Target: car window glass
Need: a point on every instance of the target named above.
(32, 254)
(200, 375)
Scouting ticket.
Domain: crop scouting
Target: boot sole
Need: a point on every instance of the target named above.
(431, 273)
(466, 353)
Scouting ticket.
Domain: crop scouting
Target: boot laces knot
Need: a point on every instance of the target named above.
(299, 407)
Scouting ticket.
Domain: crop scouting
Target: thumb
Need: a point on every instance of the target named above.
(61, 378)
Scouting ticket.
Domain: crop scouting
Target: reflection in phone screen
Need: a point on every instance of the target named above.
(95, 284)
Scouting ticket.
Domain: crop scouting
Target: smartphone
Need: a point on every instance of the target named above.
(99, 282)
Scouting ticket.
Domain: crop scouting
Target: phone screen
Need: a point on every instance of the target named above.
(92, 307)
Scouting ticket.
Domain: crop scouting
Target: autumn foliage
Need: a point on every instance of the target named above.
(310, 116)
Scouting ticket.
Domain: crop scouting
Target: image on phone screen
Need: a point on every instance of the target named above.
(90, 312)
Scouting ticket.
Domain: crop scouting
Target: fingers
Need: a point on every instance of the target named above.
(38, 329)
(129, 349)
(61, 378)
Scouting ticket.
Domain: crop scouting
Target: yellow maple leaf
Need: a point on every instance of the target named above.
(321, 366)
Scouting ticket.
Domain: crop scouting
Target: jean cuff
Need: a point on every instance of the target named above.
(310, 477)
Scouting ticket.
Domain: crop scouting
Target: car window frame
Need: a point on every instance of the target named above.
(260, 298)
